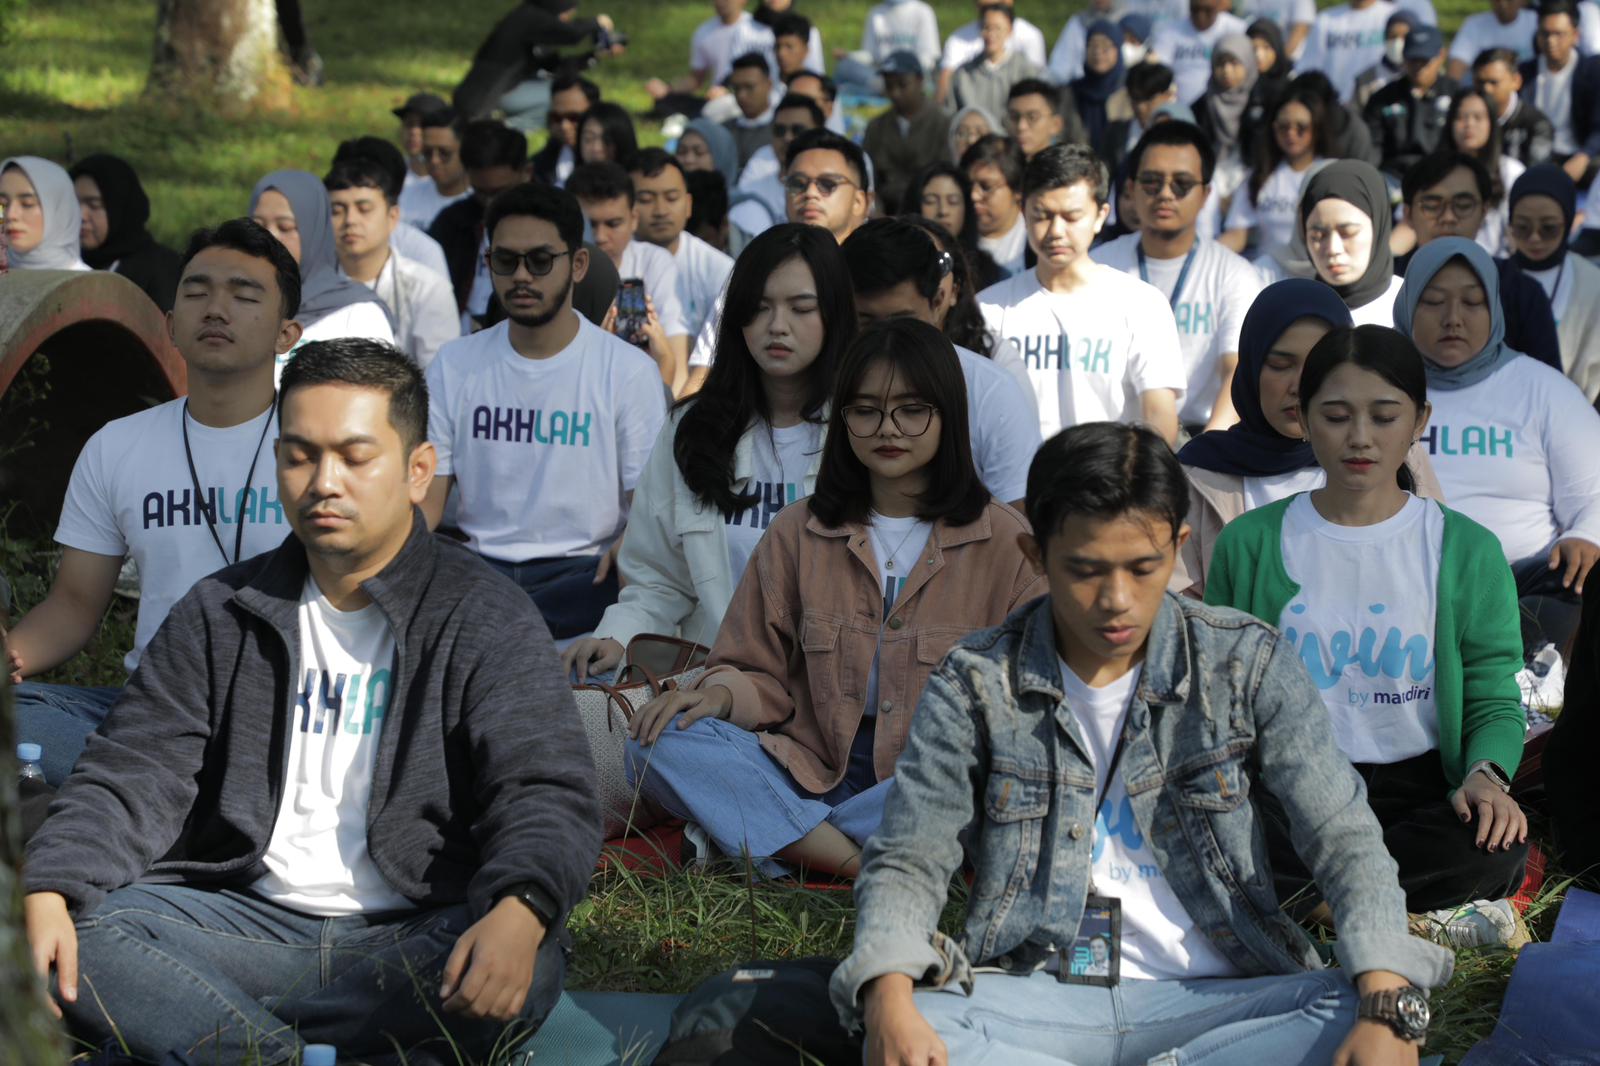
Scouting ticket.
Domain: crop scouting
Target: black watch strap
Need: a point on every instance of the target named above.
(536, 900)
(1405, 1010)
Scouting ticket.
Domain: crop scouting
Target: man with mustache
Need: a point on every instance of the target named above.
(183, 488)
(543, 421)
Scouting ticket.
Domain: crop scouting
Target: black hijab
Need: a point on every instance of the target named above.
(1546, 179)
(128, 243)
(1091, 91)
(1361, 185)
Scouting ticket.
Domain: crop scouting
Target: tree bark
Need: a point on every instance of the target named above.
(28, 1036)
(225, 50)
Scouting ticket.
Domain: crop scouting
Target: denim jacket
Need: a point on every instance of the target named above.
(994, 749)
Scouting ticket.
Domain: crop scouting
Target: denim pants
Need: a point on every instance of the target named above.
(564, 591)
(59, 718)
(1035, 1020)
(718, 776)
(194, 976)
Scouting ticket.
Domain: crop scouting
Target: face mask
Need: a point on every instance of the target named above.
(1133, 54)
(1394, 50)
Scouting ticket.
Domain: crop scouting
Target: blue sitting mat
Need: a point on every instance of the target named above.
(601, 1029)
(1548, 1016)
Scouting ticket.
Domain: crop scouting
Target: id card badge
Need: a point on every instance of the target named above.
(1095, 956)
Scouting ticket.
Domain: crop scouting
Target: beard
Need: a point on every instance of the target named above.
(541, 318)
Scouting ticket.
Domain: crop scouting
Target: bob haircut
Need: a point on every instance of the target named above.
(616, 129)
(1105, 470)
(733, 398)
(926, 360)
(1388, 353)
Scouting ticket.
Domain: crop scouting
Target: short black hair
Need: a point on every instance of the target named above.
(1490, 56)
(751, 61)
(567, 82)
(708, 190)
(1062, 165)
(250, 237)
(1176, 134)
(792, 24)
(538, 200)
(650, 162)
(1105, 470)
(884, 252)
(367, 364)
(1146, 81)
(1037, 87)
(1433, 168)
(361, 172)
(830, 88)
(825, 140)
(799, 101)
(487, 142)
(600, 181)
(380, 152)
(1568, 8)
(444, 118)
(998, 151)
(1004, 9)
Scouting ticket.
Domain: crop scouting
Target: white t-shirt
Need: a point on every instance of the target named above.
(779, 462)
(1260, 491)
(1091, 353)
(703, 272)
(1188, 51)
(897, 543)
(1516, 452)
(966, 44)
(543, 451)
(1159, 938)
(1557, 285)
(1483, 30)
(1275, 211)
(659, 272)
(1492, 236)
(423, 306)
(1380, 311)
(902, 25)
(367, 319)
(421, 202)
(1209, 313)
(1363, 623)
(1344, 42)
(1286, 13)
(131, 493)
(1552, 96)
(1010, 249)
(715, 46)
(1003, 423)
(317, 860)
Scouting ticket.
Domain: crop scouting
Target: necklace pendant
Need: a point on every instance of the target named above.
(889, 565)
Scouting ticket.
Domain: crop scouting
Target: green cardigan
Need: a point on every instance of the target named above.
(1476, 630)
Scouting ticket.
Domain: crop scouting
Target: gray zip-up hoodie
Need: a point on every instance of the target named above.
(483, 780)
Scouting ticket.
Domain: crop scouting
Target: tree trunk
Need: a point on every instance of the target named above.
(28, 1036)
(222, 50)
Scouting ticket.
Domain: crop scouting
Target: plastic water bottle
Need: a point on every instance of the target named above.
(318, 1055)
(29, 755)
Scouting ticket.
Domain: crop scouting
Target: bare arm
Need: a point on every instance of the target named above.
(1297, 37)
(697, 379)
(1223, 414)
(1234, 240)
(1159, 408)
(1459, 70)
(58, 628)
(433, 503)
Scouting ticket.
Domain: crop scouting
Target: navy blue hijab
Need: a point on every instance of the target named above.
(1251, 447)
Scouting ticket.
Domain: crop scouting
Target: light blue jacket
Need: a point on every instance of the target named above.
(1222, 706)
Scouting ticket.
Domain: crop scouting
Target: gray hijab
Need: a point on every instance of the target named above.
(1425, 263)
(323, 289)
(1225, 107)
(58, 249)
(724, 150)
(955, 124)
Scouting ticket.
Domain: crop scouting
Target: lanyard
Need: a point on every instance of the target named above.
(194, 479)
(1100, 799)
(1183, 274)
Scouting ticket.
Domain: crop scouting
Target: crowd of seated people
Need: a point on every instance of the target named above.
(1184, 434)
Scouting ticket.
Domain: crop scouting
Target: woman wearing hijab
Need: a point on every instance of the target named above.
(1273, 66)
(1264, 457)
(1513, 441)
(42, 216)
(1542, 204)
(293, 206)
(705, 145)
(1222, 109)
(1103, 77)
(113, 234)
(968, 126)
(1345, 222)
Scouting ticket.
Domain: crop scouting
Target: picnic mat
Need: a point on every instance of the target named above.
(600, 1029)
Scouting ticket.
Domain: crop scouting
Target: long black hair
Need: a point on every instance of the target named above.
(925, 359)
(980, 270)
(1269, 155)
(1388, 353)
(616, 126)
(717, 416)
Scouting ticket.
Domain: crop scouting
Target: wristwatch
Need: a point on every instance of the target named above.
(532, 897)
(1492, 772)
(1405, 1010)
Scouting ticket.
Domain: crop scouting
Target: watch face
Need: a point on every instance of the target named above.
(1412, 1007)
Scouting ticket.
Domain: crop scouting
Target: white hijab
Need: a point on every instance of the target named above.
(58, 249)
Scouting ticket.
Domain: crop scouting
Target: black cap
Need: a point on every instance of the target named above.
(1423, 42)
(420, 104)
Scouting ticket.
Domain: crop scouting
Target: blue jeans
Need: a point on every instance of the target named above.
(1037, 1021)
(59, 718)
(719, 776)
(564, 590)
(189, 975)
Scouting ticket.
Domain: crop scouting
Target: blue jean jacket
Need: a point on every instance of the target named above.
(994, 750)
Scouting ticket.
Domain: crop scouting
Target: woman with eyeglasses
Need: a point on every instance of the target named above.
(994, 167)
(1472, 129)
(1345, 221)
(1264, 210)
(784, 748)
(1542, 204)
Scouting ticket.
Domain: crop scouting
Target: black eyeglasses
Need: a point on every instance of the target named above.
(1182, 185)
(912, 419)
(827, 184)
(1461, 204)
(539, 262)
(786, 130)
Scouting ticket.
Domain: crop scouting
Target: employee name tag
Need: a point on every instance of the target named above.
(1095, 956)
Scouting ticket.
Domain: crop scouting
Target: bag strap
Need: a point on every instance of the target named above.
(613, 696)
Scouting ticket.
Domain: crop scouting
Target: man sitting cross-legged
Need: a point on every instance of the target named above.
(331, 806)
(1101, 747)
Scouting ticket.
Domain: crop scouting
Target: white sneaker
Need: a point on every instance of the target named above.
(1480, 924)
(697, 847)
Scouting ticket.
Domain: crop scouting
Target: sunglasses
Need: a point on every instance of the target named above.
(539, 262)
(564, 118)
(827, 184)
(1182, 184)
